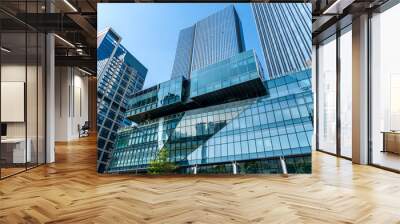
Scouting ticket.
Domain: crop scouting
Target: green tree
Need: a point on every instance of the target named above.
(161, 165)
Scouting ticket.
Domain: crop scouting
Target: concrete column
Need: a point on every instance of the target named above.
(195, 169)
(234, 168)
(50, 98)
(92, 103)
(283, 165)
(50, 91)
(160, 133)
(360, 90)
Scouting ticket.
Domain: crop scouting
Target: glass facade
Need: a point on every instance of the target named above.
(183, 55)
(245, 132)
(327, 96)
(265, 166)
(237, 69)
(285, 35)
(358, 110)
(385, 89)
(120, 74)
(23, 81)
(217, 114)
(299, 164)
(213, 39)
(346, 93)
(334, 94)
(107, 43)
(164, 94)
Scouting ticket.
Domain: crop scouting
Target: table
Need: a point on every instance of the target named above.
(13, 150)
(391, 141)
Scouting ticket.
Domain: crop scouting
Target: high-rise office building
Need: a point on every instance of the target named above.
(213, 39)
(119, 75)
(221, 116)
(183, 55)
(285, 35)
(224, 119)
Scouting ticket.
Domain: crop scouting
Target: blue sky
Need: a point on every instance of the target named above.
(150, 31)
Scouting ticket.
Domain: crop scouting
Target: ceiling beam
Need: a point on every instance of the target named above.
(85, 26)
(78, 61)
(337, 7)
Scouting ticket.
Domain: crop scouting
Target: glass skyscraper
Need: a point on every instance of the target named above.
(119, 75)
(215, 38)
(285, 35)
(183, 55)
(217, 114)
(226, 118)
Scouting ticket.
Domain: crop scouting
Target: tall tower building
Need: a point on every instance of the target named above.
(213, 39)
(285, 35)
(223, 117)
(120, 74)
(183, 55)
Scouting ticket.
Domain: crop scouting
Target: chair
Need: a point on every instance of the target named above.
(84, 130)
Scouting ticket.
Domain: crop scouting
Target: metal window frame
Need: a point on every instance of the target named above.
(387, 5)
(44, 74)
(338, 152)
(381, 9)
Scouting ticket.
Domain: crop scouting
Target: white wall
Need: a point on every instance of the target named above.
(13, 73)
(33, 126)
(13, 100)
(71, 102)
(9, 73)
(61, 103)
(80, 113)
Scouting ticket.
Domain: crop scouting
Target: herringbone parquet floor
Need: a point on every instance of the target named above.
(70, 191)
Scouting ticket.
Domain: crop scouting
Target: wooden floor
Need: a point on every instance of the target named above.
(10, 171)
(387, 159)
(70, 191)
